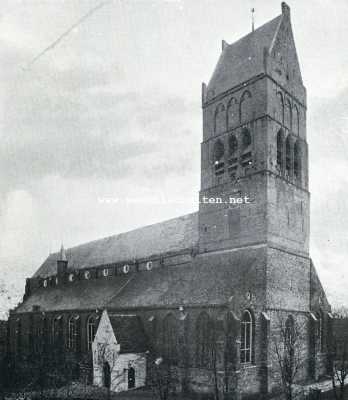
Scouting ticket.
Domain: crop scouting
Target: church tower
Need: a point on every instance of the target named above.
(254, 145)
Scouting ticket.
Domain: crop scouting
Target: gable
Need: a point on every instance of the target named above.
(283, 63)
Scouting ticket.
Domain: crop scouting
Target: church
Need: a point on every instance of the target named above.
(205, 292)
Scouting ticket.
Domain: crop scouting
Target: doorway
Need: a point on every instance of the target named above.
(131, 378)
(106, 375)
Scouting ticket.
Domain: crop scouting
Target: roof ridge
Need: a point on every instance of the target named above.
(126, 232)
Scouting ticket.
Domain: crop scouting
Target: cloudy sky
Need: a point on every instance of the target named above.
(112, 111)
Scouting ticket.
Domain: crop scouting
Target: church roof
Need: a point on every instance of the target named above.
(129, 333)
(243, 59)
(172, 235)
(209, 279)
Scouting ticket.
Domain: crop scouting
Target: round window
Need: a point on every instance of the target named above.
(87, 274)
(45, 283)
(126, 269)
(71, 277)
(149, 265)
(105, 272)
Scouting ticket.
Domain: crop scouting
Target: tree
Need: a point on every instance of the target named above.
(338, 365)
(288, 347)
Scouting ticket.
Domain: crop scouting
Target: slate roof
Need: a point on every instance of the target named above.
(209, 279)
(243, 59)
(172, 235)
(129, 333)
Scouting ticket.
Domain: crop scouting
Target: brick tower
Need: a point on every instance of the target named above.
(254, 144)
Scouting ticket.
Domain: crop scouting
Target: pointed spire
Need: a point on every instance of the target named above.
(62, 254)
(252, 20)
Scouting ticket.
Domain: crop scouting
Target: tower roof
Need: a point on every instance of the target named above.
(62, 254)
(244, 58)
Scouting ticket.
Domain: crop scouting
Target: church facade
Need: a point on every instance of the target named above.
(213, 288)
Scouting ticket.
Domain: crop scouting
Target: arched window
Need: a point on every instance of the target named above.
(18, 333)
(297, 160)
(280, 149)
(280, 108)
(245, 111)
(296, 121)
(91, 330)
(230, 347)
(232, 145)
(288, 114)
(57, 331)
(218, 157)
(288, 155)
(204, 336)
(220, 119)
(232, 113)
(246, 332)
(73, 333)
(246, 138)
(170, 339)
(289, 340)
(233, 156)
(319, 332)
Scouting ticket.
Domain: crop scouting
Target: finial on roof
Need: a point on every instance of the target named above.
(252, 19)
(62, 254)
(285, 9)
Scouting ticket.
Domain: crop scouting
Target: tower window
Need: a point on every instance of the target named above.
(288, 114)
(246, 138)
(247, 332)
(245, 111)
(280, 151)
(281, 107)
(288, 155)
(218, 154)
(296, 121)
(220, 119)
(232, 113)
(297, 160)
(233, 145)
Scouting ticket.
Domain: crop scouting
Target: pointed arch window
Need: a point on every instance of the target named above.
(91, 330)
(289, 340)
(288, 155)
(220, 119)
(297, 160)
(233, 156)
(296, 121)
(218, 157)
(57, 331)
(232, 113)
(73, 333)
(246, 157)
(280, 149)
(247, 332)
(18, 333)
(280, 107)
(204, 336)
(170, 339)
(319, 332)
(288, 114)
(245, 111)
